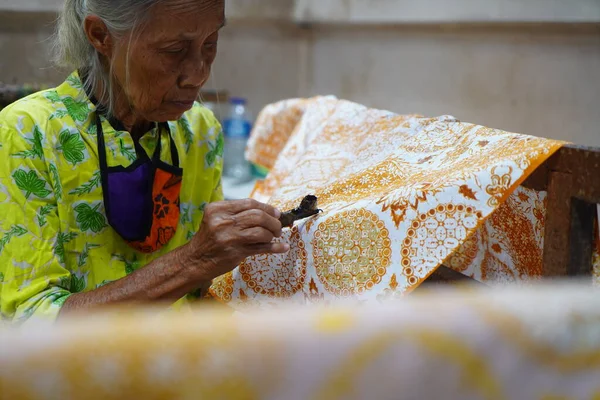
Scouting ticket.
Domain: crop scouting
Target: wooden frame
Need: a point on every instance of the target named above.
(571, 177)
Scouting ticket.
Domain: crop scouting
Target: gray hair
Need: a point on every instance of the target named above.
(73, 50)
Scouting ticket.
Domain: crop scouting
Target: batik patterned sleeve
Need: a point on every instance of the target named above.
(33, 279)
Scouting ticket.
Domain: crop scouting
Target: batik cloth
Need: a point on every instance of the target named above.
(400, 196)
(494, 345)
(54, 235)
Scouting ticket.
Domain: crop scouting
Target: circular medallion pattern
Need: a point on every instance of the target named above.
(351, 251)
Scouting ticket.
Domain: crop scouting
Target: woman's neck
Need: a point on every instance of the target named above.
(136, 126)
(126, 115)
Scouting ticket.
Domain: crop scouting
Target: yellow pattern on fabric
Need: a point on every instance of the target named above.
(333, 323)
(54, 236)
(476, 374)
(595, 396)
(581, 358)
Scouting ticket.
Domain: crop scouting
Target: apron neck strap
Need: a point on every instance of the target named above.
(173, 147)
(138, 147)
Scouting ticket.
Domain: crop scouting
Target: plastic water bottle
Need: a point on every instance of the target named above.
(236, 127)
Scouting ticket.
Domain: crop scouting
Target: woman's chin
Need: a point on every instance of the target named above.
(173, 111)
(168, 116)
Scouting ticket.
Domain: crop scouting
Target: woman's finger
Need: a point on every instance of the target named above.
(238, 206)
(256, 235)
(258, 218)
(268, 248)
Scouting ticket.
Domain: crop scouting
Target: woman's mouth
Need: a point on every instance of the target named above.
(183, 104)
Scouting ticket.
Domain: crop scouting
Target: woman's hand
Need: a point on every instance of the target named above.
(230, 232)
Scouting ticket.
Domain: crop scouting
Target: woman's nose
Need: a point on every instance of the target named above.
(194, 72)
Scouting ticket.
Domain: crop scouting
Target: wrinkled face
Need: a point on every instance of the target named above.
(165, 64)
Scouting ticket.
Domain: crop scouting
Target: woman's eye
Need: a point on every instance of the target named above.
(210, 45)
(174, 50)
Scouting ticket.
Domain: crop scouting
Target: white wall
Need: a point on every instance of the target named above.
(447, 11)
(541, 81)
(539, 78)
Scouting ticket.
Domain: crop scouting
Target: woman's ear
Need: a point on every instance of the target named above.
(98, 35)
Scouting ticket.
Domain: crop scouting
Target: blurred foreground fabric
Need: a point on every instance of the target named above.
(401, 195)
(518, 343)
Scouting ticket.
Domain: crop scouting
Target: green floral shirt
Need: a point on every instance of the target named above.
(54, 235)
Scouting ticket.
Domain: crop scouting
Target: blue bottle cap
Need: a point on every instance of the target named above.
(238, 101)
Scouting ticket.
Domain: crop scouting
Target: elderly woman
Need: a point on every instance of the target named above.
(111, 182)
